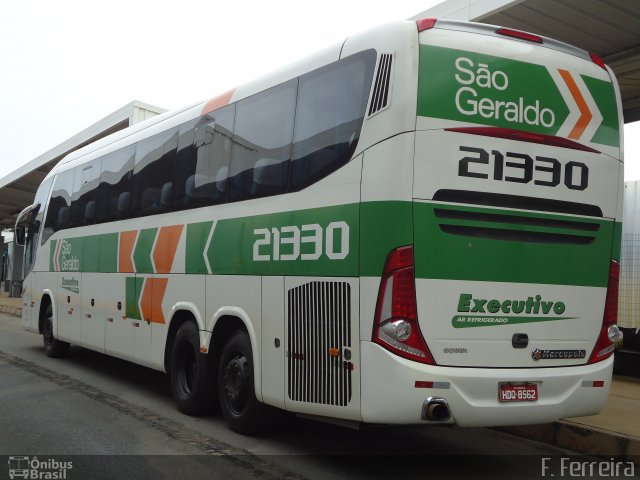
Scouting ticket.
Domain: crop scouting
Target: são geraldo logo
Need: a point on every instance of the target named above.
(63, 259)
(478, 80)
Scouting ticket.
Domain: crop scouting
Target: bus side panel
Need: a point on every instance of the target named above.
(69, 310)
(93, 319)
(273, 341)
(119, 328)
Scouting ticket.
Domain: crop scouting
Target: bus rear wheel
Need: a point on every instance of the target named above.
(191, 373)
(240, 408)
(52, 347)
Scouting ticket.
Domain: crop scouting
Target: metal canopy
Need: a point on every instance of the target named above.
(609, 28)
(18, 189)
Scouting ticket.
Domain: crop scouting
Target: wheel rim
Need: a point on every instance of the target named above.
(236, 383)
(187, 370)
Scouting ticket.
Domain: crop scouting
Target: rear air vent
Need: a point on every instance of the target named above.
(516, 201)
(381, 89)
(516, 228)
(319, 343)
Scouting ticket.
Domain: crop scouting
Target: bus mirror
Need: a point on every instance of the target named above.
(20, 235)
(204, 135)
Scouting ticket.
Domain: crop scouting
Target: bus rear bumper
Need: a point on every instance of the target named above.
(394, 391)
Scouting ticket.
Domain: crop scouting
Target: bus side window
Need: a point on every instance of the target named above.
(41, 198)
(115, 185)
(153, 174)
(261, 150)
(202, 166)
(329, 115)
(85, 190)
(58, 213)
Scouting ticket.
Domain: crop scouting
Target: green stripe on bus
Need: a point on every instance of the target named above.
(482, 250)
(142, 251)
(100, 253)
(197, 236)
(133, 291)
(313, 242)
(93, 253)
(384, 226)
(603, 93)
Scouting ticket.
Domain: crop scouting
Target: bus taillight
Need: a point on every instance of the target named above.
(425, 24)
(609, 333)
(598, 60)
(396, 325)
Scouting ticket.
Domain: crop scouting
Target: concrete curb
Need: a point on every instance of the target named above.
(11, 310)
(579, 438)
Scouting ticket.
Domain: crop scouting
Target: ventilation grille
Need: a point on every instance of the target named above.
(516, 201)
(517, 228)
(380, 97)
(319, 330)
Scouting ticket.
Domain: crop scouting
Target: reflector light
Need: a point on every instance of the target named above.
(426, 384)
(420, 384)
(593, 383)
(395, 326)
(425, 24)
(598, 60)
(604, 346)
(510, 32)
(519, 135)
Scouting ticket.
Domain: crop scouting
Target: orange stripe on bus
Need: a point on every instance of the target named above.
(127, 242)
(165, 249)
(585, 113)
(218, 102)
(151, 300)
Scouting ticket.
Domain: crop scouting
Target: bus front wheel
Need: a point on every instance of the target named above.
(240, 407)
(52, 347)
(191, 373)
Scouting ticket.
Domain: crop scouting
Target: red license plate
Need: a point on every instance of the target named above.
(518, 393)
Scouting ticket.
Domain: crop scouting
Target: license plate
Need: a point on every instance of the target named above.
(518, 393)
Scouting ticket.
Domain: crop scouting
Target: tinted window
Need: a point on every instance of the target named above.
(41, 198)
(85, 194)
(203, 165)
(331, 105)
(153, 174)
(114, 197)
(185, 163)
(59, 212)
(261, 149)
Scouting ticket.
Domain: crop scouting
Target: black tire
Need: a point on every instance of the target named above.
(240, 408)
(191, 373)
(52, 347)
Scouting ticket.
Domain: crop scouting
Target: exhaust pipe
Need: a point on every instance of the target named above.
(436, 409)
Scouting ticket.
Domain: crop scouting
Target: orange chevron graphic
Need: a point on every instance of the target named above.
(585, 113)
(127, 242)
(151, 299)
(165, 249)
(218, 102)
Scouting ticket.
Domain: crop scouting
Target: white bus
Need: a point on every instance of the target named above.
(419, 225)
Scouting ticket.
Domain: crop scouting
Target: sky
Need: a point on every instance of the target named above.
(69, 63)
